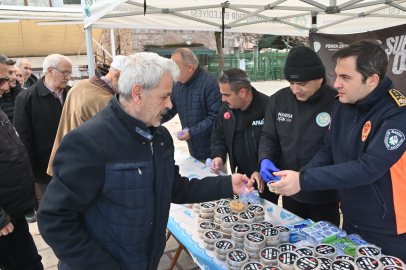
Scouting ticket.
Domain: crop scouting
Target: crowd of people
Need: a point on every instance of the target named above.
(95, 167)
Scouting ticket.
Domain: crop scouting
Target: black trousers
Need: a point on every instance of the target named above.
(316, 212)
(18, 250)
(394, 245)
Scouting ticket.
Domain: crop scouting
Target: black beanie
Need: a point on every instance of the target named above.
(303, 64)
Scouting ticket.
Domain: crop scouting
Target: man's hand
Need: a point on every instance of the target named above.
(267, 168)
(9, 228)
(184, 137)
(238, 182)
(218, 164)
(289, 184)
(257, 177)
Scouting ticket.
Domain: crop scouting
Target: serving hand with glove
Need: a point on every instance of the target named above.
(267, 169)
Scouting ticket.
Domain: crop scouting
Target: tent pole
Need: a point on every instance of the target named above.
(113, 44)
(89, 51)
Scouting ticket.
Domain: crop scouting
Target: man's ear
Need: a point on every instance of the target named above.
(49, 69)
(117, 74)
(373, 81)
(190, 67)
(243, 92)
(136, 93)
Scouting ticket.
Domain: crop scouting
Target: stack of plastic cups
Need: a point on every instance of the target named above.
(325, 263)
(304, 251)
(210, 237)
(222, 247)
(206, 212)
(325, 250)
(189, 205)
(343, 265)
(223, 202)
(287, 247)
(219, 213)
(246, 217)
(237, 206)
(391, 261)
(254, 242)
(238, 232)
(368, 250)
(205, 226)
(284, 234)
(271, 236)
(226, 223)
(344, 257)
(269, 256)
(307, 263)
(252, 266)
(286, 260)
(236, 259)
(196, 208)
(368, 263)
(257, 227)
(258, 210)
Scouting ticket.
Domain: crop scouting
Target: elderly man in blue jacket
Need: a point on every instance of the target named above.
(107, 206)
(363, 156)
(196, 98)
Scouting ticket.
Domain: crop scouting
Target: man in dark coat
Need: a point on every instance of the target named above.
(17, 194)
(197, 99)
(37, 113)
(10, 95)
(26, 68)
(238, 128)
(107, 206)
(296, 120)
(364, 152)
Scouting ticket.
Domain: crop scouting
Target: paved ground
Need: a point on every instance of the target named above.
(184, 262)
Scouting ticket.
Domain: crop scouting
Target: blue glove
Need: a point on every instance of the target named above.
(267, 168)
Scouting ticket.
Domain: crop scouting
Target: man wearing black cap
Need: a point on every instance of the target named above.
(296, 121)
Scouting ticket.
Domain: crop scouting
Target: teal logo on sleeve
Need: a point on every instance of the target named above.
(323, 119)
(393, 139)
(316, 46)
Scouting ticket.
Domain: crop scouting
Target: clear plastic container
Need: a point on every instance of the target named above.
(322, 232)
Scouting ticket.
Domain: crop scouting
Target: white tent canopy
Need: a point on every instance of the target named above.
(280, 17)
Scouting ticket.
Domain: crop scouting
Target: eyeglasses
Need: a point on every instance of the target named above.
(3, 80)
(224, 77)
(64, 73)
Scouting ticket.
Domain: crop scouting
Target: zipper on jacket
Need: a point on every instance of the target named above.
(385, 209)
(152, 148)
(255, 142)
(248, 149)
(356, 115)
(299, 143)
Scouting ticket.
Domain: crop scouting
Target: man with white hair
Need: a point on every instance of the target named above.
(26, 68)
(86, 99)
(107, 206)
(37, 112)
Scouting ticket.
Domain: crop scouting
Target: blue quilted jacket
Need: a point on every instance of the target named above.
(107, 206)
(197, 102)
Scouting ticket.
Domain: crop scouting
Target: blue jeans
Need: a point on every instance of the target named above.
(18, 250)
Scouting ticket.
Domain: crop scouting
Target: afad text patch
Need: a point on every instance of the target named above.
(393, 139)
(227, 115)
(398, 97)
(365, 130)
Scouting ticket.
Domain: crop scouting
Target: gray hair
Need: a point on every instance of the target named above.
(53, 60)
(19, 62)
(3, 59)
(188, 57)
(147, 70)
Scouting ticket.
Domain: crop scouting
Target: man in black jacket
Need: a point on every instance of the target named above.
(17, 194)
(296, 121)
(10, 95)
(238, 127)
(37, 113)
(107, 206)
(26, 68)
(197, 99)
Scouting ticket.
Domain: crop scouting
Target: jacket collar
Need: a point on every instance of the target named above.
(194, 76)
(376, 95)
(102, 84)
(132, 124)
(43, 90)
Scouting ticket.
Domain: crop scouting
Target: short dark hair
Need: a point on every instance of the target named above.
(11, 62)
(3, 59)
(371, 57)
(239, 74)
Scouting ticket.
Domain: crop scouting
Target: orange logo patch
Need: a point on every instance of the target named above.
(365, 130)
